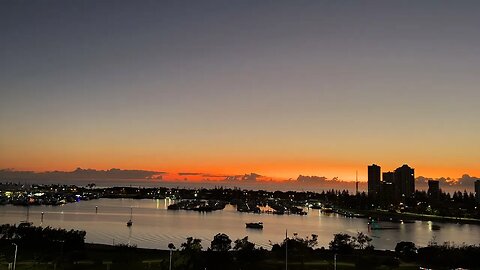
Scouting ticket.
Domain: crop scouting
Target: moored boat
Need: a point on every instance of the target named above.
(254, 225)
(130, 222)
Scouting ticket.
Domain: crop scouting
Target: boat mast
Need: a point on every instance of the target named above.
(286, 249)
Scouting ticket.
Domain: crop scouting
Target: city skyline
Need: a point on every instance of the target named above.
(141, 177)
(280, 89)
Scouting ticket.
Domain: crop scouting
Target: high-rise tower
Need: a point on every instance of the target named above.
(404, 182)
(373, 180)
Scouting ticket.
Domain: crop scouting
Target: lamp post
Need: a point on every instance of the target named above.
(15, 257)
(286, 249)
(171, 247)
(335, 261)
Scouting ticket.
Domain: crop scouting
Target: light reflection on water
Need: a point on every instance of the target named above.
(154, 226)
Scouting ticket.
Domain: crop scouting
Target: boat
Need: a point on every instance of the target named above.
(254, 225)
(327, 208)
(374, 225)
(130, 222)
(26, 222)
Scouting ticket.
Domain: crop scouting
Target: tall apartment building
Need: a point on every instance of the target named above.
(404, 179)
(477, 190)
(434, 189)
(373, 180)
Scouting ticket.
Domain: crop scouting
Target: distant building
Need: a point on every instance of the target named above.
(387, 192)
(387, 188)
(373, 180)
(477, 190)
(433, 189)
(404, 179)
(388, 177)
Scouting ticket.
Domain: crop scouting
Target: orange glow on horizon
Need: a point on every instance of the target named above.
(273, 171)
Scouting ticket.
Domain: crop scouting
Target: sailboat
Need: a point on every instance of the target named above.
(26, 223)
(130, 222)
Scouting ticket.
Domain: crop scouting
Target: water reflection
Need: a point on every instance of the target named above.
(154, 226)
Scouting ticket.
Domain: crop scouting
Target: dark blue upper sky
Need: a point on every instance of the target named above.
(310, 86)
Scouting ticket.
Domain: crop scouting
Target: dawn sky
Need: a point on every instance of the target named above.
(279, 88)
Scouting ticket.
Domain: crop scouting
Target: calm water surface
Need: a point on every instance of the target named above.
(154, 226)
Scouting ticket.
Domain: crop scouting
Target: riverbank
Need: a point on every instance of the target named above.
(405, 216)
(46, 248)
(107, 257)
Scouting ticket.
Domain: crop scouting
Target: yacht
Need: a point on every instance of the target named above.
(130, 222)
(254, 225)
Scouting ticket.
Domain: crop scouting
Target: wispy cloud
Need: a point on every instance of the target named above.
(207, 175)
(189, 173)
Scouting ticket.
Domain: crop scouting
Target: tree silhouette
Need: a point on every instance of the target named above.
(243, 245)
(221, 242)
(406, 250)
(342, 243)
(363, 241)
(192, 244)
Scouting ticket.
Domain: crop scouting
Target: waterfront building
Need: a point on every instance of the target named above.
(387, 193)
(477, 190)
(388, 177)
(404, 179)
(373, 180)
(387, 188)
(433, 189)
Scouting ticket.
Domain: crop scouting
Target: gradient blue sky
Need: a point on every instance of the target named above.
(280, 88)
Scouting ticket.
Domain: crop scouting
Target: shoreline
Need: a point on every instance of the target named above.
(417, 217)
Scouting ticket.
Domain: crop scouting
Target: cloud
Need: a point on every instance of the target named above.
(311, 179)
(189, 173)
(467, 180)
(444, 180)
(252, 177)
(214, 175)
(464, 182)
(80, 174)
(317, 179)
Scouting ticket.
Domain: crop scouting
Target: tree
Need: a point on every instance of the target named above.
(221, 242)
(311, 243)
(406, 250)
(363, 240)
(192, 244)
(342, 243)
(191, 254)
(243, 245)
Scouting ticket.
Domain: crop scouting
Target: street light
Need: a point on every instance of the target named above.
(15, 257)
(171, 247)
(335, 261)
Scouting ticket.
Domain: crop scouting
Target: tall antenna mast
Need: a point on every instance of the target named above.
(356, 182)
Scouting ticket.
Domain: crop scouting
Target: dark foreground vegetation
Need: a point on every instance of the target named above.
(49, 248)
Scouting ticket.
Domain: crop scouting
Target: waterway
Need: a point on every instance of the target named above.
(154, 226)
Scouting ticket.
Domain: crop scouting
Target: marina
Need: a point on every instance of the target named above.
(156, 226)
